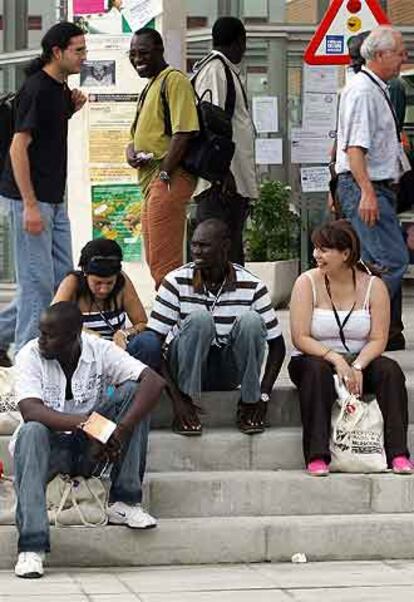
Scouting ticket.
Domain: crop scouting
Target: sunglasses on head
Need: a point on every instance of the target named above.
(102, 258)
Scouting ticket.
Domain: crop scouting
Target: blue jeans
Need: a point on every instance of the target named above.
(146, 347)
(40, 454)
(196, 365)
(383, 244)
(41, 263)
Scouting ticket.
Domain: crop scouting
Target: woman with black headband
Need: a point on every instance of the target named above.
(107, 298)
(340, 315)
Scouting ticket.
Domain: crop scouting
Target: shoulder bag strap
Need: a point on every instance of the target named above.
(140, 104)
(230, 103)
(165, 105)
(389, 103)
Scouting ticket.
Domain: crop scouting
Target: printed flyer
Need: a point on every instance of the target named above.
(116, 214)
(114, 16)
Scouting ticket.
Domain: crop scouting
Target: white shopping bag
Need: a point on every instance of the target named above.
(357, 434)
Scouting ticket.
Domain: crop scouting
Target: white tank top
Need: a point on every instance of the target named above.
(324, 327)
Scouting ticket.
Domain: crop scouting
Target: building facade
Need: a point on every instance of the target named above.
(278, 33)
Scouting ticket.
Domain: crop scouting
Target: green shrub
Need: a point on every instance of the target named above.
(274, 230)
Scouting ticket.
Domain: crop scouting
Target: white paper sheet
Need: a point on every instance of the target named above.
(269, 151)
(319, 112)
(322, 79)
(310, 146)
(265, 114)
(315, 179)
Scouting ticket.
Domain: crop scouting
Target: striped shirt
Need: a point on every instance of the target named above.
(105, 323)
(183, 292)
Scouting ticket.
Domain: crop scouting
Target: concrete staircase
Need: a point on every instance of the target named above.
(228, 497)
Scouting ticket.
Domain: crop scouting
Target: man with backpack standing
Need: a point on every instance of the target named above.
(219, 72)
(33, 182)
(157, 151)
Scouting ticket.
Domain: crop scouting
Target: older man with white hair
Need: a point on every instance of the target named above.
(370, 162)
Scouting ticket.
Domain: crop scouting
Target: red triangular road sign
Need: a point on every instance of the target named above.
(342, 20)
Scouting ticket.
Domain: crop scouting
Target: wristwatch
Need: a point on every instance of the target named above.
(357, 366)
(264, 397)
(164, 177)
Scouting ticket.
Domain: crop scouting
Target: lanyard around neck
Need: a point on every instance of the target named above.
(388, 100)
(341, 325)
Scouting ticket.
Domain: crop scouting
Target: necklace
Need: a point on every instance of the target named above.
(107, 320)
(212, 307)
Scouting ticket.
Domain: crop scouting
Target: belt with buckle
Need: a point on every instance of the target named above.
(388, 183)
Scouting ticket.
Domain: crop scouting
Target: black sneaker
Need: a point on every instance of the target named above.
(5, 361)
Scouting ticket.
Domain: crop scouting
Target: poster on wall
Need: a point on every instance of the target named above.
(110, 119)
(265, 114)
(320, 112)
(99, 74)
(321, 80)
(315, 179)
(308, 146)
(114, 16)
(116, 214)
(102, 185)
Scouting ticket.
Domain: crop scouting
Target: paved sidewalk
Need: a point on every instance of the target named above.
(314, 582)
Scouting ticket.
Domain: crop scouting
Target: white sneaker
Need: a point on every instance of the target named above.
(135, 517)
(29, 565)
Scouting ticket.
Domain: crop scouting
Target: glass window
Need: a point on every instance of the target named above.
(255, 8)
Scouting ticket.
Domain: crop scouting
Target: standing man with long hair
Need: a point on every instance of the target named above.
(34, 179)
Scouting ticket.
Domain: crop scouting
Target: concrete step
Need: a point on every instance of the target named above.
(228, 449)
(263, 493)
(228, 539)
(220, 449)
(216, 449)
(269, 493)
(220, 408)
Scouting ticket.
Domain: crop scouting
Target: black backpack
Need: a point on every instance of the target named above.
(7, 110)
(210, 152)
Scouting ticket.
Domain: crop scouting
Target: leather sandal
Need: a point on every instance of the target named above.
(246, 421)
(181, 428)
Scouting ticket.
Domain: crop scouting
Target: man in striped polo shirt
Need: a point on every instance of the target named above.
(215, 318)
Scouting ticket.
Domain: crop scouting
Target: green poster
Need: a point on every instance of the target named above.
(116, 214)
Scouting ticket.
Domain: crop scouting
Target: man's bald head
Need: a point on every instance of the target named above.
(60, 327)
(215, 227)
(210, 244)
(65, 313)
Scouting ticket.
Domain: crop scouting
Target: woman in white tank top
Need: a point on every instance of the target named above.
(340, 315)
